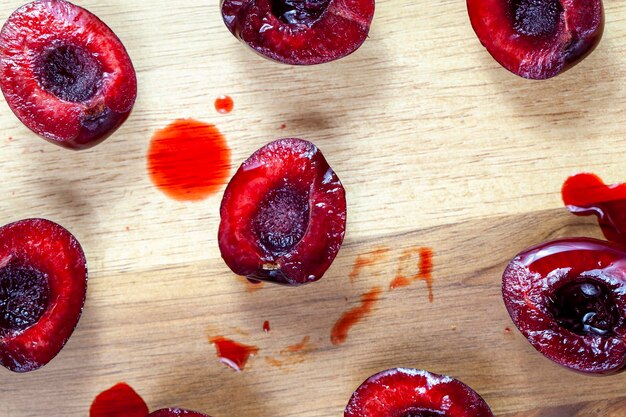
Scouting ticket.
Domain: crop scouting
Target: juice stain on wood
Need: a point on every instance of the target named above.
(292, 354)
(189, 160)
(304, 345)
(232, 353)
(342, 327)
(224, 104)
(367, 259)
(424, 273)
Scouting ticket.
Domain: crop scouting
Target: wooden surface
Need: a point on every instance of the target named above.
(437, 146)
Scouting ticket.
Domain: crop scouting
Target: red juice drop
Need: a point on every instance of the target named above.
(266, 326)
(189, 160)
(303, 346)
(224, 104)
(118, 401)
(586, 194)
(233, 354)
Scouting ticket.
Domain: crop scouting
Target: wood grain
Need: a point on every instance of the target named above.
(437, 147)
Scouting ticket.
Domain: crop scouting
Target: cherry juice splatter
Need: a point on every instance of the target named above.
(292, 354)
(233, 354)
(586, 194)
(189, 160)
(339, 332)
(424, 273)
(304, 345)
(367, 259)
(224, 104)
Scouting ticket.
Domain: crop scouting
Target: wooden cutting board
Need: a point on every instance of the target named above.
(437, 146)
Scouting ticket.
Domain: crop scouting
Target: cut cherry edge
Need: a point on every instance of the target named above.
(403, 392)
(586, 194)
(568, 298)
(537, 41)
(48, 251)
(41, 43)
(299, 33)
(176, 412)
(283, 215)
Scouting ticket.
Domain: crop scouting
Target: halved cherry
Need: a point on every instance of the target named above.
(300, 32)
(283, 215)
(402, 392)
(568, 298)
(65, 74)
(537, 39)
(43, 281)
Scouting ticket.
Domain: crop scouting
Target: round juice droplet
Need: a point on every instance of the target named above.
(189, 160)
(224, 104)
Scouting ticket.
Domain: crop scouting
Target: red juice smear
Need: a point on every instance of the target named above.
(119, 401)
(233, 354)
(339, 333)
(399, 282)
(304, 345)
(189, 160)
(293, 354)
(367, 259)
(224, 104)
(266, 326)
(585, 194)
(424, 273)
(426, 270)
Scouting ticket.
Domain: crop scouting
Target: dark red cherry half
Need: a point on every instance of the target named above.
(65, 74)
(300, 32)
(283, 215)
(43, 281)
(405, 392)
(537, 39)
(568, 297)
(176, 412)
(585, 194)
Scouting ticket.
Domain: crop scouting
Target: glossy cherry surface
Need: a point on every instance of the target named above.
(568, 297)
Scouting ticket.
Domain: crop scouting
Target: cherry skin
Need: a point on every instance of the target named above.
(405, 392)
(65, 74)
(568, 298)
